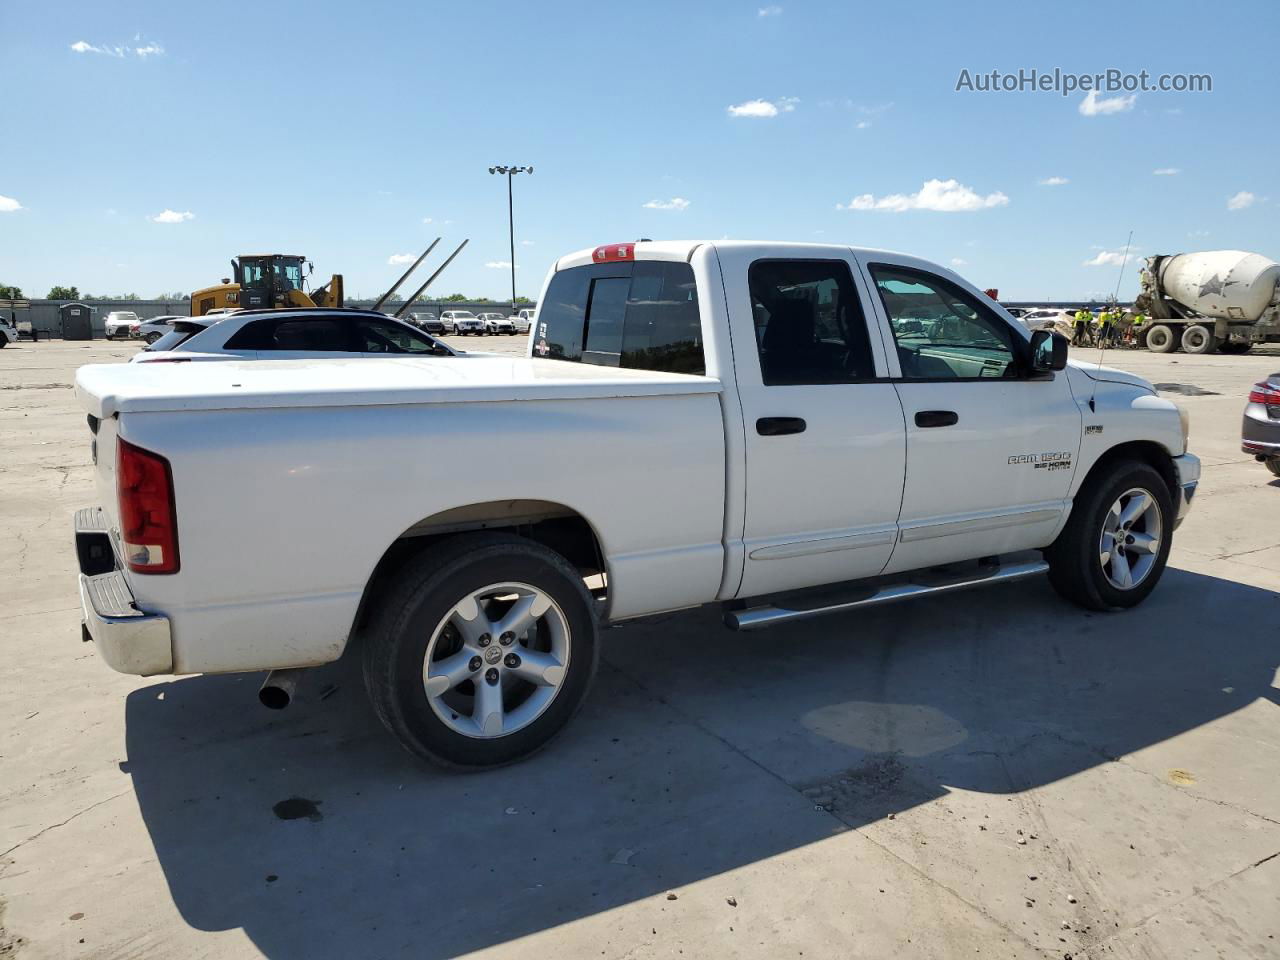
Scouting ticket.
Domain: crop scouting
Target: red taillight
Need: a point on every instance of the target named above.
(614, 252)
(1264, 392)
(148, 520)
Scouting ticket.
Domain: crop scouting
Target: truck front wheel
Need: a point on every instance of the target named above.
(1114, 548)
(1160, 339)
(481, 650)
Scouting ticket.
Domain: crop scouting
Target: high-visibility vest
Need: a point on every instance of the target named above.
(1140, 319)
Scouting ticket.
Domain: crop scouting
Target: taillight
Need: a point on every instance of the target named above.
(1264, 392)
(148, 520)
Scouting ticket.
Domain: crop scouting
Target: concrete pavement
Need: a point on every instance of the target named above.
(992, 774)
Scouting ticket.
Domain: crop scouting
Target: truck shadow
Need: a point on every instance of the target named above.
(700, 751)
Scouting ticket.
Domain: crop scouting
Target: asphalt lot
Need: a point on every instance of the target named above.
(992, 774)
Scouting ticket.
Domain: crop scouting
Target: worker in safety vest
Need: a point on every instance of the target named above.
(1135, 331)
(1106, 323)
(1083, 319)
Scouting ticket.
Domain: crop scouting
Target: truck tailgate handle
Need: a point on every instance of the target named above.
(779, 426)
(937, 418)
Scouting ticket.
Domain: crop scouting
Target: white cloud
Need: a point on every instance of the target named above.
(500, 265)
(1106, 258)
(526, 243)
(1241, 200)
(172, 216)
(426, 219)
(1092, 105)
(763, 108)
(1166, 172)
(863, 124)
(1053, 181)
(397, 259)
(769, 11)
(675, 203)
(121, 50)
(8, 204)
(946, 196)
(958, 262)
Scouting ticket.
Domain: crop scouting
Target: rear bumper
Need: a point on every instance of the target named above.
(1188, 467)
(129, 640)
(1260, 434)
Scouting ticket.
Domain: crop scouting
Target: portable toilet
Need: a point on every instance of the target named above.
(76, 320)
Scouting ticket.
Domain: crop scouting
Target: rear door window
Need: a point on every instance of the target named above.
(641, 315)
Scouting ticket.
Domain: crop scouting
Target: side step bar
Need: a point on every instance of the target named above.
(757, 618)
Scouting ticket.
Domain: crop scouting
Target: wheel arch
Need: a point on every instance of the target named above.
(1145, 451)
(554, 525)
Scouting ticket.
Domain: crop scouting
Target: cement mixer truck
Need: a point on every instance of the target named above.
(1218, 300)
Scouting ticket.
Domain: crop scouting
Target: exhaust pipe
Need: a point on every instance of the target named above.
(279, 688)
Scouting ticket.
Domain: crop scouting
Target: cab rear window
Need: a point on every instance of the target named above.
(641, 315)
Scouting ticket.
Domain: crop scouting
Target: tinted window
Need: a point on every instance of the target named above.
(321, 334)
(382, 336)
(606, 310)
(641, 315)
(809, 322)
(942, 332)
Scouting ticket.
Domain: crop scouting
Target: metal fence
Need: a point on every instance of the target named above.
(45, 318)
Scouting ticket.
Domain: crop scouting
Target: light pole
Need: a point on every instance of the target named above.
(511, 222)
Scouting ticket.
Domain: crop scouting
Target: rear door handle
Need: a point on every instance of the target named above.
(779, 426)
(937, 418)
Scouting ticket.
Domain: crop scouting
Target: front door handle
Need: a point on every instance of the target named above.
(937, 418)
(779, 426)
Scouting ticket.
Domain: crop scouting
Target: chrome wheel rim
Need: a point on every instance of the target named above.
(1130, 540)
(497, 660)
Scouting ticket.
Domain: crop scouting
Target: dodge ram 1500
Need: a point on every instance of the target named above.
(694, 423)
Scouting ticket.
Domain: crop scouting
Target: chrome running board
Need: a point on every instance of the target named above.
(757, 618)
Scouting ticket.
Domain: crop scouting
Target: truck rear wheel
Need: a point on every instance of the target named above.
(1114, 548)
(481, 650)
(1160, 339)
(1198, 338)
(1273, 464)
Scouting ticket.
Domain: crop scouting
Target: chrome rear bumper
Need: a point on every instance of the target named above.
(130, 640)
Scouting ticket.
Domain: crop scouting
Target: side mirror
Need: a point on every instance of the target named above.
(1048, 351)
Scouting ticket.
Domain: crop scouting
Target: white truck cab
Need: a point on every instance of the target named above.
(695, 423)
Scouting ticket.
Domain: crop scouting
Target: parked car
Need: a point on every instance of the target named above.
(464, 322)
(522, 320)
(299, 333)
(121, 323)
(426, 321)
(8, 332)
(1262, 423)
(642, 438)
(497, 323)
(154, 328)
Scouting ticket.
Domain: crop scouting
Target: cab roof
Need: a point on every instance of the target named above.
(683, 250)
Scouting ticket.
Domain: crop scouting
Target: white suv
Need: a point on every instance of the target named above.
(121, 323)
(464, 322)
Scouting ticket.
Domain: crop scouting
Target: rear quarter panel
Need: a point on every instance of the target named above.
(284, 513)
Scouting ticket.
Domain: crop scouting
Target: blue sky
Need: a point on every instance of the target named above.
(337, 130)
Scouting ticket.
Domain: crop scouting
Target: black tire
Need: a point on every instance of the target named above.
(395, 644)
(152, 337)
(1074, 568)
(1199, 339)
(1161, 338)
(1273, 464)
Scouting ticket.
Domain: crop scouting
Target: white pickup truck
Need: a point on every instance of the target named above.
(695, 423)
